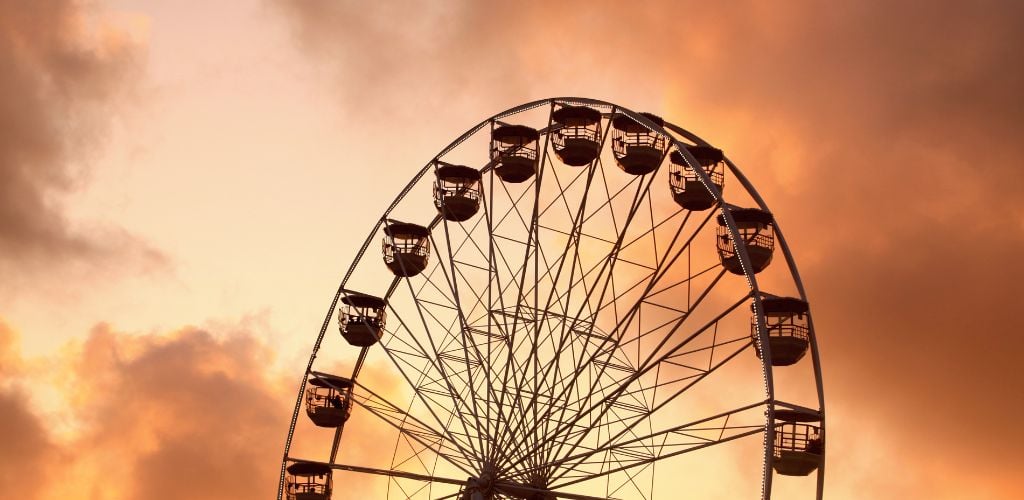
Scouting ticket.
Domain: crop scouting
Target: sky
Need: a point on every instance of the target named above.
(179, 183)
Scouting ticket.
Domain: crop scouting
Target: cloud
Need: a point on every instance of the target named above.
(65, 76)
(901, 180)
(883, 135)
(160, 416)
(27, 453)
(185, 405)
(191, 413)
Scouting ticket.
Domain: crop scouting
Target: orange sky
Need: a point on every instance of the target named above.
(177, 180)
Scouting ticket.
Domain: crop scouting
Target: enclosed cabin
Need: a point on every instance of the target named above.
(638, 150)
(799, 445)
(329, 400)
(406, 248)
(457, 192)
(514, 152)
(756, 229)
(577, 138)
(787, 322)
(361, 319)
(308, 481)
(687, 188)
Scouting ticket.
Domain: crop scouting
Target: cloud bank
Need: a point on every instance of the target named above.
(65, 76)
(883, 134)
(185, 414)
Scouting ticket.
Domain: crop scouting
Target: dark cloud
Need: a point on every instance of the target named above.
(184, 405)
(187, 414)
(59, 90)
(27, 453)
(190, 413)
(906, 189)
(883, 134)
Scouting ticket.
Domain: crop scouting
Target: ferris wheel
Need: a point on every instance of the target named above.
(565, 305)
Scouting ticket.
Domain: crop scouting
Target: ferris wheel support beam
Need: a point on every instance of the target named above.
(493, 263)
(509, 369)
(692, 380)
(624, 323)
(456, 394)
(492, 259)
(548, 270)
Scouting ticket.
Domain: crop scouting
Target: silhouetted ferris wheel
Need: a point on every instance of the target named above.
(566, 321)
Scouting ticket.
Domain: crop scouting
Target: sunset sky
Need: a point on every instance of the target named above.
(183, 184)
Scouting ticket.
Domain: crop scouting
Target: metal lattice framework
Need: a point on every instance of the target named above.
(570, 338)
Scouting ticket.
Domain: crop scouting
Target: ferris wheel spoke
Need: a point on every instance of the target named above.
(460, 268)
(658, 445)
(527, 377)
(515, 200)
(492, 277)
(385, 472)
(606, 362)
(562, 189)
(683, 383)
(667, 264)
(496, 303)
(513, 333)
(551, 276)
(581, 397)
(681, 317)
(577, 222)
(442, 356)
(417, 432)
(424, 363)
(685, 281)
(539, 318)
(689, 440)
(595, 412)
(591, 312)
(467, 346)
(503, 314)
(610, 197)
(607, 272)
(661, 269)
(695, 371)
(660, 265)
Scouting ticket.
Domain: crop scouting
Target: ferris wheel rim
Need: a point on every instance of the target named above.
(668, 130)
